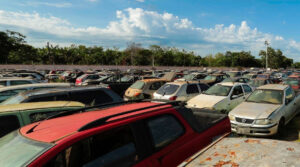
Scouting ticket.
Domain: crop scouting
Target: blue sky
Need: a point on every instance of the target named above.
(203, 26)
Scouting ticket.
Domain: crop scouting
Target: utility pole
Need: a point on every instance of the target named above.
(267, 45)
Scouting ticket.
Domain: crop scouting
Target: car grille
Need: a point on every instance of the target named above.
(243, 120)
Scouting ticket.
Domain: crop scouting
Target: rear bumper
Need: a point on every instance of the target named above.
(254, 130)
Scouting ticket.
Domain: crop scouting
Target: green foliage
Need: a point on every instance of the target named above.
(14, 50)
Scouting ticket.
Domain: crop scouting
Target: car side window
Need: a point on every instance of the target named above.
(41, 99)
(203, 87)
(192, 88)
(3, 83)
(113, 148)
(19, 82)
(289, 95)
(164, 129)
(237, 91)
(155, 86)
(8, 124)
(247, 89)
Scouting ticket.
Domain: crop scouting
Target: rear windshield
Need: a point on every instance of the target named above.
(218, 90)
(13, 100)
(138, 85)
(256, 83)
(167, 89)
(210, 77)
(16, 150)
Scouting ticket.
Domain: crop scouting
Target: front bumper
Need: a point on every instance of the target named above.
(254, 130)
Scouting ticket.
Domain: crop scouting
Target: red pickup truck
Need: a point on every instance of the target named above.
(142, 134)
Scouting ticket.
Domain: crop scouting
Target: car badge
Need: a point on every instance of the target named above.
(244, 120)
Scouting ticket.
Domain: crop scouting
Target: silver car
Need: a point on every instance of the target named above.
(180, 90)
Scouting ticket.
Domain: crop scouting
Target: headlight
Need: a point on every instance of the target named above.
(231, 117)
(263, 121)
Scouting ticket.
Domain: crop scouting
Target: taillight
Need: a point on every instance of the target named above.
(137, 94)
(173, 98)
(108, 87)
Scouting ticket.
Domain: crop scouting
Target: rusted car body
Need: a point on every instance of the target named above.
(240, 152)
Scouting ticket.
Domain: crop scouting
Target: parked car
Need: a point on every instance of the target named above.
(259, 82)
(235, 152)
(180, 91)
(143, 89)
(293, 81)
(85, 78)
(193, 77)
(16, 81)
(90, 96)
(138, 134)
(250, 76)
(234, 74)
(214, 78)
(33, 76)
(222, 97)
(15, 116)
(266, 111)
(9, 91)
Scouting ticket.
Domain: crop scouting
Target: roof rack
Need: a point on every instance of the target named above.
(101, 121)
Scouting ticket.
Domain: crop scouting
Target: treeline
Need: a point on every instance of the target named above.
(15, 50)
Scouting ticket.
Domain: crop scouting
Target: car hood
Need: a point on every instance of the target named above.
(254, 110)
(205, 101)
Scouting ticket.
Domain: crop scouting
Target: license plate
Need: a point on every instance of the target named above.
(243, 130)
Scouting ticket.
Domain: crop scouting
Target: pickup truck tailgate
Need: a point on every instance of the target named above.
(239, 152)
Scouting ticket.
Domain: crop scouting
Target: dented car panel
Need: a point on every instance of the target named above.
(248, 152)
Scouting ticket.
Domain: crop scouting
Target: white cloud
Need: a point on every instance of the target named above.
(140, 0)
(92, 0)
(150, 27)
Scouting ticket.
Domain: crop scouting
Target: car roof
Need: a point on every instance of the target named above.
(54, 130)
(33, 85)
(273, 86)
(184, 82)
(39, 105)
(14, 78)
(58, 90)
(153, 80)
(230, 83)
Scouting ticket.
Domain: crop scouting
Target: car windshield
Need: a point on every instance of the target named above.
(189, 77)
(16, 150)
(232, 74)
(210, 77)
(13, 100)
(256, 83)
(262, 76)
(229, 80)
(126, 78)
(266, 96)
(218, 90)
(292, 82)
(138, 85)
(249, 76)
(167, 89)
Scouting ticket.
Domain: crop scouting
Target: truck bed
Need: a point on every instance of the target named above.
(250, 152)
(202, 119)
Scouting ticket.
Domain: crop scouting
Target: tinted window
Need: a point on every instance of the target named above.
(237, 90)
(203, 87)
(40, 99)
(19, 82)
(3, 83)
(167, 89)
(155, 85)
(113, 148)
(102, 97)
(8, 124)
(6, 94)
(164, 129)
(192, 88)
(247, 89)
(91, 97)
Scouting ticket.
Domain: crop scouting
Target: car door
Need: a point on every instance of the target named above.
(236, 97)
(111, 148)
(290, 104)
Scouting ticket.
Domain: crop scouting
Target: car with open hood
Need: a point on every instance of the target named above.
(266, 111)
(222, 96)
